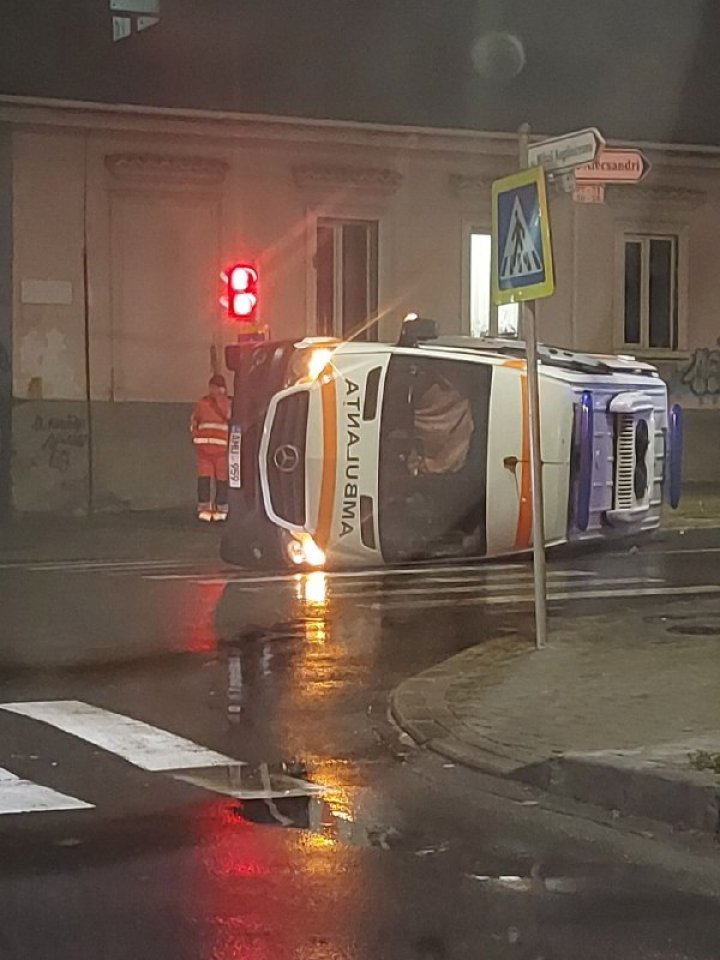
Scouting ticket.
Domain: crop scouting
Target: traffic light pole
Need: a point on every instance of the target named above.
(533, 410)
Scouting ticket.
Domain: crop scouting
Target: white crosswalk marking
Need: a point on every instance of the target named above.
(24, 796)
(526, 598)
(483, 588)
(137, 742)
(418, 570)
(431, 586)
(498, 584)
(146, 747)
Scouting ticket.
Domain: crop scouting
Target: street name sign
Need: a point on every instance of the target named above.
(563, 153)
(589, 193)
(614, 166)
(522, 265)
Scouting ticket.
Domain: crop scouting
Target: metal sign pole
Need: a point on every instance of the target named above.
(538, 512)
(536, 484)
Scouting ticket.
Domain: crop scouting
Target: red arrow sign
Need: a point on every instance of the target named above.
(614, 166)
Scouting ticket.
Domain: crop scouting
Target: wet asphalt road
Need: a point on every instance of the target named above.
(401, 856)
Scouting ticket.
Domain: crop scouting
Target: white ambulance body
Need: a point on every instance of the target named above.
(385, 454)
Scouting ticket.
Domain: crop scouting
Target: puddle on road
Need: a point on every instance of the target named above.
(532, 883)
(247, 782)
(316, 815)
(271, 795)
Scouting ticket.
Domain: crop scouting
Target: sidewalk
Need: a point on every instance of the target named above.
(699, 507)
(610, 713)
(156, 535)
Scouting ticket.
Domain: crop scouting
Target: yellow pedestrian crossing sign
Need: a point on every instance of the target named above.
(522, 267)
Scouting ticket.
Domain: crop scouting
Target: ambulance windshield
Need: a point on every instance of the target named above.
(433, 453)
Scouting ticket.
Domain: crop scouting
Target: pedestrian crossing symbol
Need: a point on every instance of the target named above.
(522, 252)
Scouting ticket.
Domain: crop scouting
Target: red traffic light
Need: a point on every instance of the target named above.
(241, 298)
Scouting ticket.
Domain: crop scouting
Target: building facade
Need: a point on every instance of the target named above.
(116, 223)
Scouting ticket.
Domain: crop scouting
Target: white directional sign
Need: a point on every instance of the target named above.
(564, 153)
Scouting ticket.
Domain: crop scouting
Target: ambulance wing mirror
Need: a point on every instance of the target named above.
(415, 329)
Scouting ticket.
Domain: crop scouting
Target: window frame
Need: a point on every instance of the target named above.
(471, 227)
(336, 218)
(643, 233)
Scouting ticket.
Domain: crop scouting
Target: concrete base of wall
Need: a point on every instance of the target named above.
(50, 461)
(702, 446)
(142, 457)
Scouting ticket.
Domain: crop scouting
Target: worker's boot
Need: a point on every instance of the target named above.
(204, 508)
(221, 500)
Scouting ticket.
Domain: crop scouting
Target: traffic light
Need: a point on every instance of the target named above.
(241, 292)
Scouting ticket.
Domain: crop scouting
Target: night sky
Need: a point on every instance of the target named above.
(644, 70)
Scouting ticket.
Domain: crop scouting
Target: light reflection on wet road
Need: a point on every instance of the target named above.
(402, 855)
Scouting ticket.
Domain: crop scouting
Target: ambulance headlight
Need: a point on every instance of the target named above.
(303, 551)
(295, 552)
(312, 355)
(314, 556)
(317, 360)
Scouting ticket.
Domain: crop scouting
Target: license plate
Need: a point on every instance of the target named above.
(234, 466)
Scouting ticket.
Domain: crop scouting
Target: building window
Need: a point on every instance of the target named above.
(650, 310)
(485, 319)
(346, 266)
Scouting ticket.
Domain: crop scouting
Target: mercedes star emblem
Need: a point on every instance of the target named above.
(286, 458)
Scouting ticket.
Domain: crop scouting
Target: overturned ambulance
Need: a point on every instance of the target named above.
(364, 454)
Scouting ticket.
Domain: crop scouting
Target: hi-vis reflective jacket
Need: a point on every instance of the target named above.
(209, 422)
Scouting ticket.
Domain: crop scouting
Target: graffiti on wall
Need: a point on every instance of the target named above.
(64, 438)
(694, 382)
(701, 374)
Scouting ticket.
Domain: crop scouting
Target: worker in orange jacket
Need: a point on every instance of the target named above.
(210, 429)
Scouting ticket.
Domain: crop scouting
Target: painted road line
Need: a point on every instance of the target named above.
(123, 567)
(499, 579)
(139, 743)
(374, 574)
(341, 588)
(553, 596)
(490, 587)
(109, 562)
(24, 796)
(498, 586)
(667, 590)
(459, 584)
(521, 573)
(482, 577)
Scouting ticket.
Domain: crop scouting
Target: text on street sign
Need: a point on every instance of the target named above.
(614, 166)
(589, 193)
(566, 152)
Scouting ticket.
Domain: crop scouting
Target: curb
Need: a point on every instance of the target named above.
(419, 707)
(619, 781)
(628, 782)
